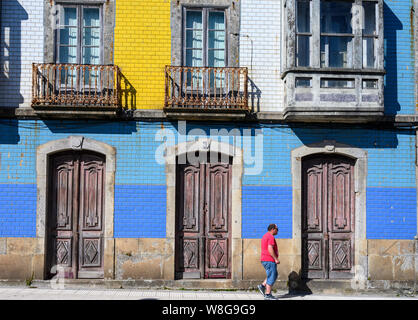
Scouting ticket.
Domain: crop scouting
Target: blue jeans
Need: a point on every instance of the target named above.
(271, 271)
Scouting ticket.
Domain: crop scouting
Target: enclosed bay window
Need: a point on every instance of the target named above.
(333, 61)
(335, 33)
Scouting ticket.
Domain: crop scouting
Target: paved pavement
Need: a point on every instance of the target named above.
(27, 293)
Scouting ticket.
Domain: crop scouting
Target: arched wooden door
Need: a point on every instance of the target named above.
(328, 207)
(203, 220)
(75, 219)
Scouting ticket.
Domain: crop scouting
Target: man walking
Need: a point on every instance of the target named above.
(269, 260)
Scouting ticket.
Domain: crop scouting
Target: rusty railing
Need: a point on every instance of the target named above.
(206, 88)
(75, 85)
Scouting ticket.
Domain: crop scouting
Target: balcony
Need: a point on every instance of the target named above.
(78, 89)
(208, 92)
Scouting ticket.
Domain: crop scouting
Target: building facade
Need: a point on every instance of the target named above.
(157, 140)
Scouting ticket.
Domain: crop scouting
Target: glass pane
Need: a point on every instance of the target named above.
(336, 52)
(369, 84)
(91, 55)
(369, 18)
(91, 17)
(216, 58)
(194, 20)
(216, 40)
(91, 77)
(303, 82)
(368, 53)
(216, 20)
(337, 83)
(91, 36)
(303, 16)
(336, 17)
(70, 17)
(302, 51)
(194, 39)
(68, 36)
(194, 58)
(68, 78)
(68, 54)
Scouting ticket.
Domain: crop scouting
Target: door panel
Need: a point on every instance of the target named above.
(341, 217)
(327, 217)
(61, 237)
(218, 208)
(313, 221)
(91, 216)
(189, 229)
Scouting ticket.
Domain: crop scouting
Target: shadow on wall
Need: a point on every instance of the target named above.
(391, 25)
(254, 96)
(9, 132)
(11, 16)
(91, 127)
(365, 138)
(127, 93)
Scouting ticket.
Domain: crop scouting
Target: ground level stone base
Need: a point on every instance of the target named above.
(388, 261)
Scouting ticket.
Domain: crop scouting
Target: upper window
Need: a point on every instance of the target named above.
(326, 33)
(204, 38)
(79, 37)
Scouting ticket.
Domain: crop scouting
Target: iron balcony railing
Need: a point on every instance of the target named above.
(206, 88)
(75, 85)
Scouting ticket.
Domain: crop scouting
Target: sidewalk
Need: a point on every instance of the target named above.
(27, 293)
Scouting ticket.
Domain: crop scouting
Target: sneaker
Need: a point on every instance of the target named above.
(269, 297)
(262, 289)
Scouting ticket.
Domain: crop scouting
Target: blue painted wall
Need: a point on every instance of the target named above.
(140, 193)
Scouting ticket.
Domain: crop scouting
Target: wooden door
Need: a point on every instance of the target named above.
(75, 215)
(328, 217)
(203, 214)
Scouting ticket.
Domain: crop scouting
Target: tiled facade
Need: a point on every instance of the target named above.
(22, 44)
(142, 49)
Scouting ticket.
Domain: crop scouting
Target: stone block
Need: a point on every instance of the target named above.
(151, 246)
(404, 268)
(126, 246)
(15, 267)
(144, 269)
(21, 246)
(380, 268)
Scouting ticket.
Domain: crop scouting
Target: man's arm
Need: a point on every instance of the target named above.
(273, 254)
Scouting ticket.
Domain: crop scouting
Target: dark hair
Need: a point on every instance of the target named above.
(271, 227)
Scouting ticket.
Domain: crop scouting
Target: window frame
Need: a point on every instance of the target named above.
(79, 9)
(205, 32)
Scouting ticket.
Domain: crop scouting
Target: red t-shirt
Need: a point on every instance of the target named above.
(268, 239)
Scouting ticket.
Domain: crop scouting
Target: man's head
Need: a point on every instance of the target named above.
(272, 228)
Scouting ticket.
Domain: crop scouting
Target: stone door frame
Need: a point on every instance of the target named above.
(77, 143)
(360, 183)
(205, 145)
